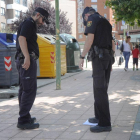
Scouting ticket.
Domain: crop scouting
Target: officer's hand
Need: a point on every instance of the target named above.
(81, 64)
(26, 64)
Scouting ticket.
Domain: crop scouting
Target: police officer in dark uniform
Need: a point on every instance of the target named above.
(26, 56)
(99, 40)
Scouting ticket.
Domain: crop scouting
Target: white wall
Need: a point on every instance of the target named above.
(69, 7)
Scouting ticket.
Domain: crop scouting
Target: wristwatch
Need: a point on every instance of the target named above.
(82, 57)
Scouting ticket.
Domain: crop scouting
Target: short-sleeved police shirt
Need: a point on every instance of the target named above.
(102, 30)
(28, 30)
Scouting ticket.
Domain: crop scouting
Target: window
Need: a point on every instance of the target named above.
(2, 11)
(94, 7)
(93, 0)
(25, 3)
(113, 25)
(80, 36)
(105, 7)
(2, 25)
(17, 13)
(17, 1)
(105, 15)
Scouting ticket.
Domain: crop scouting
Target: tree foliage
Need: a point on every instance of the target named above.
(127, 10)
(65, 25)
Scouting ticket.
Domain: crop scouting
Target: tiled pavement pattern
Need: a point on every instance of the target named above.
(61, 113)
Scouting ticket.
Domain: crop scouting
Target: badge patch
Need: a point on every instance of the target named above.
(89, 23)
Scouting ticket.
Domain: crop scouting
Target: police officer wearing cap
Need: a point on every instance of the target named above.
(26, 56)
(99, 40)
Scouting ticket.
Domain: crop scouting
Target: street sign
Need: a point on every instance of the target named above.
(123, 27)
(123, 22)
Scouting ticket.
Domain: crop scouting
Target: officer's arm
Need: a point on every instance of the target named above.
(88, 43)
(23, 46)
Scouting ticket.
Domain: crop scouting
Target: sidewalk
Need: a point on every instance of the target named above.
(61, 113)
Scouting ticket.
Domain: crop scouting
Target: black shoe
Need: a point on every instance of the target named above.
(28, 126)
(93, 120)
(100, 128)
(33, 120)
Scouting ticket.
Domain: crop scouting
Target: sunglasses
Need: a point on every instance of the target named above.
(43, 18)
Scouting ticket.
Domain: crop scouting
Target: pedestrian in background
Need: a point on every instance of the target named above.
(135, 53)
(127, 48)
(117, 45)
(99, 39)
(26, 56)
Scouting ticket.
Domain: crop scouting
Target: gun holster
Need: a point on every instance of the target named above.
(98, 52)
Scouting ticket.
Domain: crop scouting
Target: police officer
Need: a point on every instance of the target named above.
(26, 56)
(99, 39)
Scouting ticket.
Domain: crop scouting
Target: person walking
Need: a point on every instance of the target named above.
(127, 48)
(26, 56)
(117, 45)
(135, 53)
(99, 39)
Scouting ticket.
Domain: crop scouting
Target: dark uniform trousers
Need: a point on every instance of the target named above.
(101, 76)
(27, 89)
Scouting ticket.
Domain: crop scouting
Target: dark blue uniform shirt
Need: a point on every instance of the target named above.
(28, 29)
(102, 30)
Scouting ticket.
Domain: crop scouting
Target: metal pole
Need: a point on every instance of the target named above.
(86, 61)
(124, 33)
(58, 51)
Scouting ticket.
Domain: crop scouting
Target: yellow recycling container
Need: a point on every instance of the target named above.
(46, 65)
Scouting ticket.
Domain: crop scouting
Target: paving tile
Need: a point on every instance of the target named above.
(75, 112)
(27, 134)
(48, 135)
(95, 136)
(124, 130)
(126, 118)
(118, 136)
(12, 121)
(123, 123)
(20, 139)
(47, 121)
(77, 128)
(9, 133)
(4, 138)
(4, 126)
(65, 122)
(71, 117)
(72, 135)
(54, 116)
(42, 139)
(57, 128)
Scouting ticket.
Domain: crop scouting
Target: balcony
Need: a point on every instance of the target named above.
(18, 7)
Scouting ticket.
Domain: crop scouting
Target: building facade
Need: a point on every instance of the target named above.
(99, 6)
(10, 10)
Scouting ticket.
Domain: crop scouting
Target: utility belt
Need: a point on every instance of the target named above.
(95, 51)
(21, 56)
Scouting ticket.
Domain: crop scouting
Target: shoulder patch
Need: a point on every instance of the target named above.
(89, 23)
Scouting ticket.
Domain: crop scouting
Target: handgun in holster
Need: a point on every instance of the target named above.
(98, 52)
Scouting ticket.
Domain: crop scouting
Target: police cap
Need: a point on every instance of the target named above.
(44, 13)
(86, 10)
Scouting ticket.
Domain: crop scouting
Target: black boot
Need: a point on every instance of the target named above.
(93, 120)
(28, 126)
(98, 128)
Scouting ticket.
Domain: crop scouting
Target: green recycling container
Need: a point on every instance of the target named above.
(72, 53)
